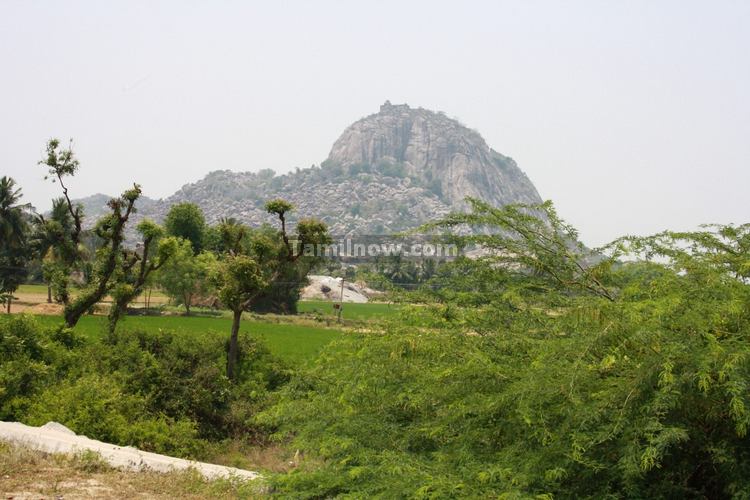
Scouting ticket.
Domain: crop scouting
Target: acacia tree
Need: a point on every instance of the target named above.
(249, 269)
(534, 248)
(642, 396)
(62, 163)
(137, 269)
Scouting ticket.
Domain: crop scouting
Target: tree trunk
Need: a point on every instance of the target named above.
(49, 293)
(86, 301)
(114, 316)
(186, 300)
(64, 295)
(10, 299)
(74, 310)
(233, 352)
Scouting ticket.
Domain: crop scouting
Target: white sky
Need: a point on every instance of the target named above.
(632, 116)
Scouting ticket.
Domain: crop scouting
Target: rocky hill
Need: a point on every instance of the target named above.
(389, 171)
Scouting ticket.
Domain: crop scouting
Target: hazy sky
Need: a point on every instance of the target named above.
(632, 116)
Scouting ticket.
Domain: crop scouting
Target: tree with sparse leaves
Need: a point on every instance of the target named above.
(61, 164)
(155, 251)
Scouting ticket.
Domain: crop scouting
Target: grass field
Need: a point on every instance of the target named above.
(370, 310)
(293, 343)
(39, 289)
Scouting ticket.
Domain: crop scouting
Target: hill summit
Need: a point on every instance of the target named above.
(390, 171)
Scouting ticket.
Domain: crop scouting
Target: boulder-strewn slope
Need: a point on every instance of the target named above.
(389, 171)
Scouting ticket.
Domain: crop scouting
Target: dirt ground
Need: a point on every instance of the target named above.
(36, 303)
(28, 474)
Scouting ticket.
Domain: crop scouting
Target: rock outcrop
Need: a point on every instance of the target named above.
(329, 288)
(435, 151)
(390, 171)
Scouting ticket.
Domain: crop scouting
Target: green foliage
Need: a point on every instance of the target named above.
(353, 311)
(14, 251)
(536, 248)
(30, 358)
(640, 392)
(185, 276)
(13, 224)
(138, 267)
(23, 368)
(231, 237)
(540, 369)
(52, 242)
(287, 273)
(60, 162)
(159, 391)
(182, 377)
(149, 230)
(110, 262)
(254, 261)
(239, 280)
(278, 207)
(295, 344)
(186, 220)
(60, 241)
(98, 406)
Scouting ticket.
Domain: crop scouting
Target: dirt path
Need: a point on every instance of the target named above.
(36, 303)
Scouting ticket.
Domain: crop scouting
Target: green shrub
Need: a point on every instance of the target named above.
(91, 405)
(641, 393)
(30, 358)
(159, 391)
(184, 377)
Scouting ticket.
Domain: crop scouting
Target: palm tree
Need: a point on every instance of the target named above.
(50, 241)
(231, 233)
(12, 217)
(13, 226)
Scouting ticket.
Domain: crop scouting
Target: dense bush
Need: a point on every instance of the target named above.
(634, 399)
(99, 407)
(622, 380)
(31, 358)
(159, 391)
